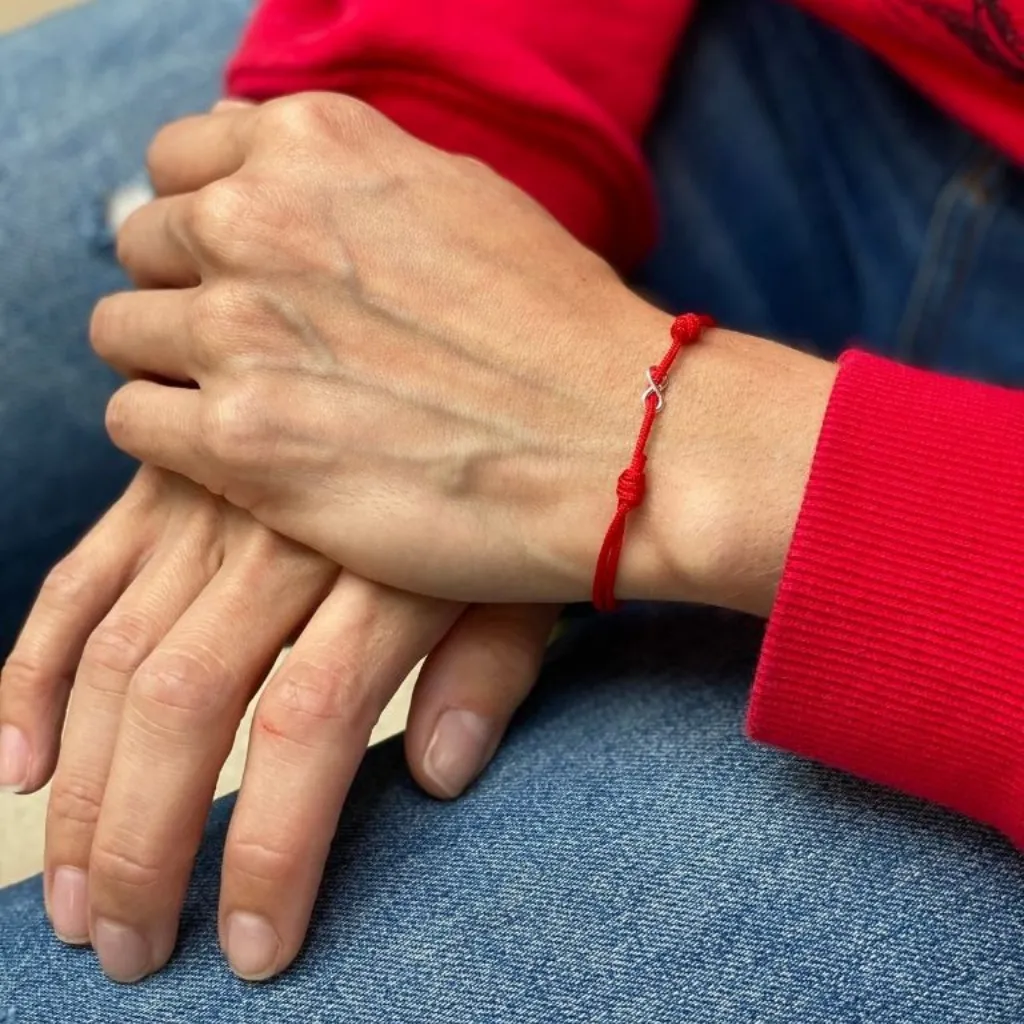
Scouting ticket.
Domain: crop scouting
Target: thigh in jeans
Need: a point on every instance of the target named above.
(628, 859)
(810, 195)
(80, 96)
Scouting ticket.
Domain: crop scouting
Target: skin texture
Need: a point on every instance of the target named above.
(167, 618)
(394, 356)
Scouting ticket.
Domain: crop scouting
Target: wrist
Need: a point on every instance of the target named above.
(729, 459)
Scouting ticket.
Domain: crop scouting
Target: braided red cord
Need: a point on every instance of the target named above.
(687, 330)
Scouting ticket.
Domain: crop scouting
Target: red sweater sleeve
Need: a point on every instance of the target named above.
(555, 96)
(896, 647)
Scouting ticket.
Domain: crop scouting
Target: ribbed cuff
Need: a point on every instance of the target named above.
(895, 650)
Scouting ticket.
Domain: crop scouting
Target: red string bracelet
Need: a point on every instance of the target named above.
(687, 330)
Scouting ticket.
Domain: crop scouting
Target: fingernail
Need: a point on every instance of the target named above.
(124, 954)
(462, 744)
(69, 906)
(14, 758)
(253, 946)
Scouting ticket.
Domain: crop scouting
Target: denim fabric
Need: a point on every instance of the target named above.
(629, 857)
(80, 97)
(809, 195)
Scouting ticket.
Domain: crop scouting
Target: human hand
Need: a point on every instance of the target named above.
(401, 359)
(168, 616)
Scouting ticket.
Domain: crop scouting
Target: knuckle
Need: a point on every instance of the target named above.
(214, 312)
(265, 554)
(240, 220)
(311, 117)
(217, 216)
(262, 861)
(172, 692)
(123, 866)
(20, 676)
(296, 117)
(268, 561)
(233, 428)
(67, 583)
(119, 644)
(75, 801)
(312, 704)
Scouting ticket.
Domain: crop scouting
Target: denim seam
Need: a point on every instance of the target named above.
(959, 222)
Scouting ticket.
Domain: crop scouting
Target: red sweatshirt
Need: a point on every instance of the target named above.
(896, 647)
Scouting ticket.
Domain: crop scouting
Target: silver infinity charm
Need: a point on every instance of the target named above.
(653, 389)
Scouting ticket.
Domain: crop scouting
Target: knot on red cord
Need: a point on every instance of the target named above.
(687, 329)
(631, 487)
(632, 484)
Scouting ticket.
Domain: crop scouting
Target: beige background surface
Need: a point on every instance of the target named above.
(22, 818)
(16, 12)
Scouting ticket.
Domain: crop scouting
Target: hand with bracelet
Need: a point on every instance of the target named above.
(389, 355)
(396, 358)
(451, 439)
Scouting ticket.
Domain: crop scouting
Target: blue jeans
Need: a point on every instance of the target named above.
(629, 857)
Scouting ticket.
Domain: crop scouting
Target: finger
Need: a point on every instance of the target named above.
(145, 334)
(77, 593)
(310, 732)
(468, 690)
(159, 424)
(181, 713)
(153, 247)
(158, 596)
(194, 151)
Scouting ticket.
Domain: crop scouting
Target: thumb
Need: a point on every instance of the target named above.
(468, 690)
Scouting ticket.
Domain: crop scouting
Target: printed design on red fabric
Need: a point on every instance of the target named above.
(986, 27)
